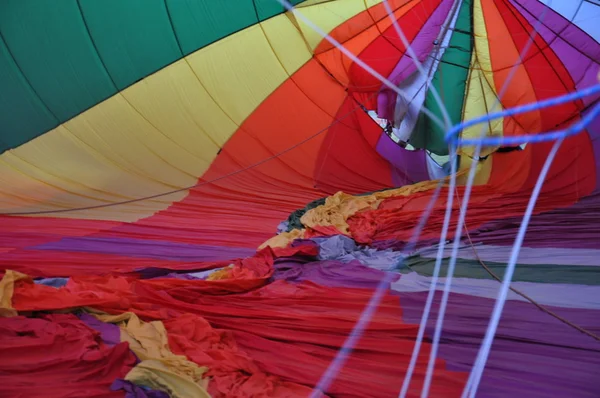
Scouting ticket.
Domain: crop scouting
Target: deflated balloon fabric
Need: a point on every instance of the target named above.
(331, 217)
(345, 249)
(294, 220)
(160, 368)
(538, 273)
(111, 334)
(549, 294)
(280, 326)
(134, 391)
(54, 282)
(333, 273)
(551, 358)
(7, 287)
(66, 357)
(518, 339)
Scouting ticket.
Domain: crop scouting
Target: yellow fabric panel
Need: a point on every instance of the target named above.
(59, 171)
(175, 101)
(143, 149)
(310, 3)
(283, 239)
(287, 43)
(7, 289)
(482, 173)
(239, 71)
(481, 44)
(327, 16)
(158, 135)
(479, 99)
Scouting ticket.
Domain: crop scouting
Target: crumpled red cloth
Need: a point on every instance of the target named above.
(58, 356)
(264, 340)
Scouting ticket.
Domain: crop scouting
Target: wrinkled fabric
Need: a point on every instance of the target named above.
(160, 368)
(339, 207)
(134, 391)
(111, 334)
(294, 219)
(550, 294)
(527, 255)
(204, 275)
(54, 282)
(283, 327)
(331, 273)
(157, 375)
(7, 287)
(284, 239)
(538, 273)
(57, 355)
(155, 272)
(343, 248)
(282, 227)
(232, 372)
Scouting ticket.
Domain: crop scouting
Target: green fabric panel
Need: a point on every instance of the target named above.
(22, 114)
(63, 57)
(539, 273)
(51, 46)
(268, 8)
(450, 80)
(200, 23)
(133, 37)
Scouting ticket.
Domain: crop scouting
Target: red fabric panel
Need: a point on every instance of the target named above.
(348, 156)
(58, 356)
(46, 263)
(384, 53)
(20, 232)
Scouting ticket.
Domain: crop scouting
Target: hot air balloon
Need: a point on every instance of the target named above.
(200, 198)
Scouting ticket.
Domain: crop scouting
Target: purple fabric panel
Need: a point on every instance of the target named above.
(578, 51)
(409, 167)
(594, 133)
(576, 226)
(133, 391)
(147, 249)
(398, 245)
(534, 354)
(386, 102)
(330, 273)
(422, 45)
(174, 275)
(111, 334)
